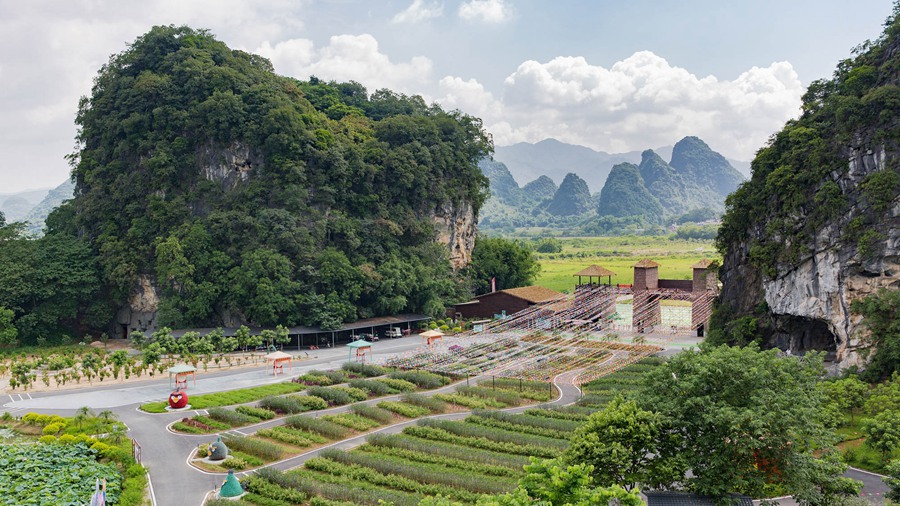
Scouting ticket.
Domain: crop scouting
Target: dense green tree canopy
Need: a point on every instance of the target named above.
(511, 262)
(747, 419)
(245, 193)
(627, 446)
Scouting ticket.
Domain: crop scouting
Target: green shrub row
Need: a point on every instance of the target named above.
(241, 396)
(422, 379)
(268, 489)
(292, 438)
(424, 472)
(557, 414)
(373, 387)
(292, 404)
(393, 481)
(189, 429)
(332, 396)
(430, 458)
(469, 402)
(399, 385)
(424, 401)
(404, 409)
(382, 416)
(232, 418)
(253, 446)
(366, 370)
(314, 379)
(449, 450)
(352, 421)
(556, 424)
(355, 394)
(205, 420)
(434, 433)
(506, 436)
(325, 428)
(524, 429)
(506, 397)
(336, 377)
(260, 413)
(516, 384)
(337, 488)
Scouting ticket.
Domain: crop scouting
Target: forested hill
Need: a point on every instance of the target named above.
(817, 228)
(216, 192)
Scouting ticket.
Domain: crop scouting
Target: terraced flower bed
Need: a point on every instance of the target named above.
(460, 460)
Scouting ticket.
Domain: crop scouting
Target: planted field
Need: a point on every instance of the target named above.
(625, 381)
(619, 254)
(460, 460)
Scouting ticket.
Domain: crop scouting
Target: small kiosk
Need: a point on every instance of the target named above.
(362, 348)
(182, 372)
(276, 361)
(429, 337)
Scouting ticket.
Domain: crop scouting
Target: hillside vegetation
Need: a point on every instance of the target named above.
(234, 195)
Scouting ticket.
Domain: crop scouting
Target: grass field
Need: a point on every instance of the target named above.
(619, 254)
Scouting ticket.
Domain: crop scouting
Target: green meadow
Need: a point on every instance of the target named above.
(619, 254)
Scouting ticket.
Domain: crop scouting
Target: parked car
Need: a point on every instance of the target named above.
(393, 332)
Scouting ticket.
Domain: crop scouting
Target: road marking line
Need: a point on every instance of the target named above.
(11, 398)
(21, 398)
(29, 396)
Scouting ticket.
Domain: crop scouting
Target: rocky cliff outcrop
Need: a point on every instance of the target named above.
(457, 226)
(818, 225)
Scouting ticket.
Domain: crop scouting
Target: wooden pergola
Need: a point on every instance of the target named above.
(595, 271)
(181, 372)
(431, 336)
(277, 359)
(362, 347)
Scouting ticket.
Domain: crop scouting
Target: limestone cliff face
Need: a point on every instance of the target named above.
(456, 226)
(817, 227)
(139, 313)
(809, 301)
(227, 165)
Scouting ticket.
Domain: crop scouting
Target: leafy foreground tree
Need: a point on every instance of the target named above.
(511, 262)
(553, 483)
(628, 446)
(893, 480)
(881, 314)
(747, 420)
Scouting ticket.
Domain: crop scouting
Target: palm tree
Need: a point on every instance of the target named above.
(82, 414)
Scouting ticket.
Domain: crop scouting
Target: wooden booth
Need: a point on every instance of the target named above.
(429, 337)
(277, 360)
(362, 348)
(181, 373)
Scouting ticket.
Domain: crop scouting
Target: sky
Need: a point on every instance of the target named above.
(611, 75)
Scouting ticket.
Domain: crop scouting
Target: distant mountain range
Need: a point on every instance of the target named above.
(554, 159)
(639, 190)
(33, 206)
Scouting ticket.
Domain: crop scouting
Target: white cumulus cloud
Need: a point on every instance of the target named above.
(488, 11)
(419, 11)
(639, 102)
(346, 58)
